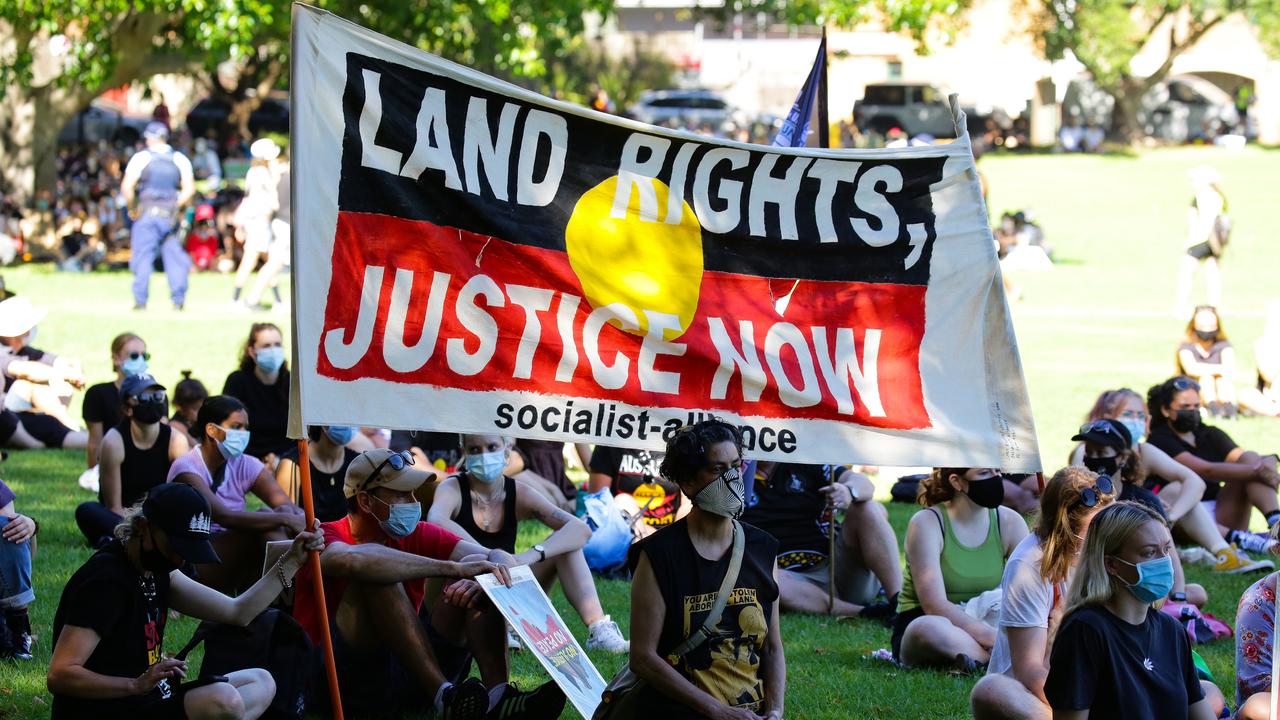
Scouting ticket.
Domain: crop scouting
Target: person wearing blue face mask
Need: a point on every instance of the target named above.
(394, 652)
(262, 384)
(102, 407)
(330, 457)
(220, 470)
(1114, 656)
(483, 504)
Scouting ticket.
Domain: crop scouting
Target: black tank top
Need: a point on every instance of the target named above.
(142, 470)
(505, 537)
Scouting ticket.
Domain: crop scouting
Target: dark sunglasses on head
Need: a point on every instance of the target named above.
(1101, 426)
(152, 396)
(136, 355)
(1091, 495)
(1184, 383)
(397, 461)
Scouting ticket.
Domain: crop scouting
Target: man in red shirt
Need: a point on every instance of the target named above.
(390, 650)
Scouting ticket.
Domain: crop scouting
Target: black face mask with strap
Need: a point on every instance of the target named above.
(988, 492)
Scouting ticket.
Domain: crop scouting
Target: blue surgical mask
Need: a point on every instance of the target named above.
(340, 434)
(487, 467)
(134, 366)
(235, 444)
(402, 518)
(1137, 428)
(270, 359)
(1155, 579)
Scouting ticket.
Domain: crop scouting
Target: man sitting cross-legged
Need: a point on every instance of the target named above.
(482, 504)
(794, 503)
(391, 652)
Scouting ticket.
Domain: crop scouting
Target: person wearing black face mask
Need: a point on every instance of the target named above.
(108, 631)
(1207, 357)
(135, 456)
(956, 551)
(1237, 480)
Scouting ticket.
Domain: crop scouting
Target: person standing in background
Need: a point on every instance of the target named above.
(1208, 229)
(253, 215)
(161, 180)
(278, 253)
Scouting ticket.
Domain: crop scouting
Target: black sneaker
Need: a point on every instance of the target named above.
(22, 647)
(882, 610)
(467, 701)
(962, 664)
(545, 703)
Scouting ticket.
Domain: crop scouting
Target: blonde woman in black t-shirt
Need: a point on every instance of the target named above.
(739, 672)
(1207, 357)
(1114, 655)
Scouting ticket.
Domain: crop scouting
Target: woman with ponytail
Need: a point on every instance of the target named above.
(1032, 593)
(956, 550)
(1114, 655)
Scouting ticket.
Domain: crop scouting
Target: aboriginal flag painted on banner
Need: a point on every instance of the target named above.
(472, 256)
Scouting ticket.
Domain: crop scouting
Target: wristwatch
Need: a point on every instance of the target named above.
(542, 554)
(1178, 597)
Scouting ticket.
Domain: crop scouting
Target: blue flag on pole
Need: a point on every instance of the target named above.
(796, 127)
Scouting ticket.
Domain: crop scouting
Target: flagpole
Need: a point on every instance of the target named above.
(824, 121)
(313, 559)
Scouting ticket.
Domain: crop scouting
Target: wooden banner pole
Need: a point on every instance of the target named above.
(322, 610)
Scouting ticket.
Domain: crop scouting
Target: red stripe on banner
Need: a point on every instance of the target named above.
(823, 343)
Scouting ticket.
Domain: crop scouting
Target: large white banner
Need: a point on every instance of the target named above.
(472, 256)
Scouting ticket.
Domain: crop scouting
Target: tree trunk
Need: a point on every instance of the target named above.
(1124, 115)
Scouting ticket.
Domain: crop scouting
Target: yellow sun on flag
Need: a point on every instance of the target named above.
(645, 265)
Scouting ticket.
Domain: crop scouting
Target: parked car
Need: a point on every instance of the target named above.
(211, 113)
(917, 108)
(661, 107)
(103, 121)
(1183, 108)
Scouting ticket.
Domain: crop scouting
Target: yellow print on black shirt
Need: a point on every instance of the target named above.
(727, 665)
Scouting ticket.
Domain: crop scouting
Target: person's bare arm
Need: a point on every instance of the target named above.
(240, 519)
(288, 478)
(380, 565)
(1227, 370)
(568, 532)
(91, 450)
(1192, 366)
(1158, 462)
(445, 506)
(648, 614)
(584, 454)
(1013, 528)
(269, 492)
(68, 676)
(199, 601)
(109, 461)
(1201, 710)
(773, 666)
(1029, 658)
(20, 528)
(187, 188)
(178, 445)
(924, 553)
(1231, 470)
(599, 480)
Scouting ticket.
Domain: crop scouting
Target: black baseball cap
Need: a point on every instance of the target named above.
(1108, 433)
(134, 385)
(184, 516)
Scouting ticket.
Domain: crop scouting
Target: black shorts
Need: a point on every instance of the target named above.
(900, 623)
(1203, 251)
(9, 423)
(45, 428)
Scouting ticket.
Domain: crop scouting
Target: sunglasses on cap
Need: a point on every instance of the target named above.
(136, 355)
(1101, 426)
(1091, 495)
(152, 396)
(397, 461)
(1184, 383)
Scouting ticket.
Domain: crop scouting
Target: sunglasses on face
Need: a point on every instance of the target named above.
(152, 396)
(398, 461)
(1091, 495)
(1183, 383)
(136, 355)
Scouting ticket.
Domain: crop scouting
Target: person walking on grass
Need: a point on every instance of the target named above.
(160, 179)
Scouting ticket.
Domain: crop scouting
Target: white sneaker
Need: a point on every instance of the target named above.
(605, 635)
(1197, 556)
(89, 479)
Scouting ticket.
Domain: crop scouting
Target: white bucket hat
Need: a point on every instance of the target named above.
(18, 316)
(264, 149)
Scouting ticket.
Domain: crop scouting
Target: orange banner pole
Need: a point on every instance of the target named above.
(1040, 479)
(308, 506)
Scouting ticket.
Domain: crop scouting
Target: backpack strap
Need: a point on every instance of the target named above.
(722, 597)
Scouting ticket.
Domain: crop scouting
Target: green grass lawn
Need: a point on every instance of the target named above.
(1100, 320)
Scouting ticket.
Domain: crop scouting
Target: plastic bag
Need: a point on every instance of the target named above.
(610, 532)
